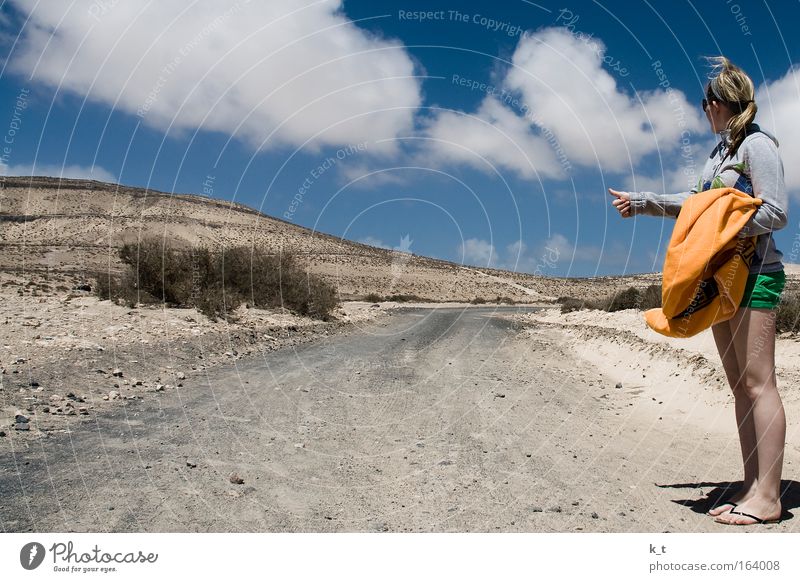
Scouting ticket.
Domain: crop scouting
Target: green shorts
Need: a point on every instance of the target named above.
(763, 290)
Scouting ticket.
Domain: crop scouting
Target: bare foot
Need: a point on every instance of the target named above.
(739, 497)
(749, 512)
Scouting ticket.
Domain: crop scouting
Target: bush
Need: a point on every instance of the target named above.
(626, 299)
(478, 301)
(216, 283)
(569, 304)
(787, 316)
(373, 298)
(159, 270)
(121, 290)
(651, 297)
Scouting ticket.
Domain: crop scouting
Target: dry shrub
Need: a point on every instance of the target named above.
(217, 282)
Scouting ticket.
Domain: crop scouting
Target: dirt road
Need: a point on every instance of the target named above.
(429, 420)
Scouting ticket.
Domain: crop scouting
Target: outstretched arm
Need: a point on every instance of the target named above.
(652, 204)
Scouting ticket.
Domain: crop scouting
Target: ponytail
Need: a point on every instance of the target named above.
(738, 125)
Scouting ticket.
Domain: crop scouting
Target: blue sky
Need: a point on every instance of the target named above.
(484, 133)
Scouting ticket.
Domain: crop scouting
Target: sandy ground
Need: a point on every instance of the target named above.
(458, 419)
(681, 380)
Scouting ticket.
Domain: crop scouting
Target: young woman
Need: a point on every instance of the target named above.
(747, 159)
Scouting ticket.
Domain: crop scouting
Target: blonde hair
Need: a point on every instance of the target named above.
(731, 85)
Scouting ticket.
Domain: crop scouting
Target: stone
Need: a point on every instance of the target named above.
(181, 376)
(19, 416)
(116, 372)
(235, 479)
(22, 426)
(619, 385)
(191, 464)
(113, 395)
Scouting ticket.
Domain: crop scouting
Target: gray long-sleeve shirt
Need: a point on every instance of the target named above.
(756, 169)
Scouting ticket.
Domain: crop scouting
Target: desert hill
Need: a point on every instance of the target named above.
(73, 227)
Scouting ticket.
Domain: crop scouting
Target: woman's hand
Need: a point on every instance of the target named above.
(622, 202)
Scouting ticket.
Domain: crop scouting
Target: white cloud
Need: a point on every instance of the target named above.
(561, 247)
(779, 113)
(571, 113)
(495, 134)
(363, 176)
(56, 171)
(478, 252)
(563, 82)
(552, 255)
(244, 68)
(374, 242)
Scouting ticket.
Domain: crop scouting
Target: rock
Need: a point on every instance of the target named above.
(113, 395)
(20, 361)
(56, 398)
(22, 426)
(159, 388)
(2, 433)
(619, 385)
(45, 409)
(83, 410)
(136, 382)
(19, 416)
(786, 334)
(116, 372)
(191, 464)
(33, 382)
(181, 376)
(235, 479)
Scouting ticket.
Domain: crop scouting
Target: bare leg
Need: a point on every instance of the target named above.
(723, 337)
(754, 342)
